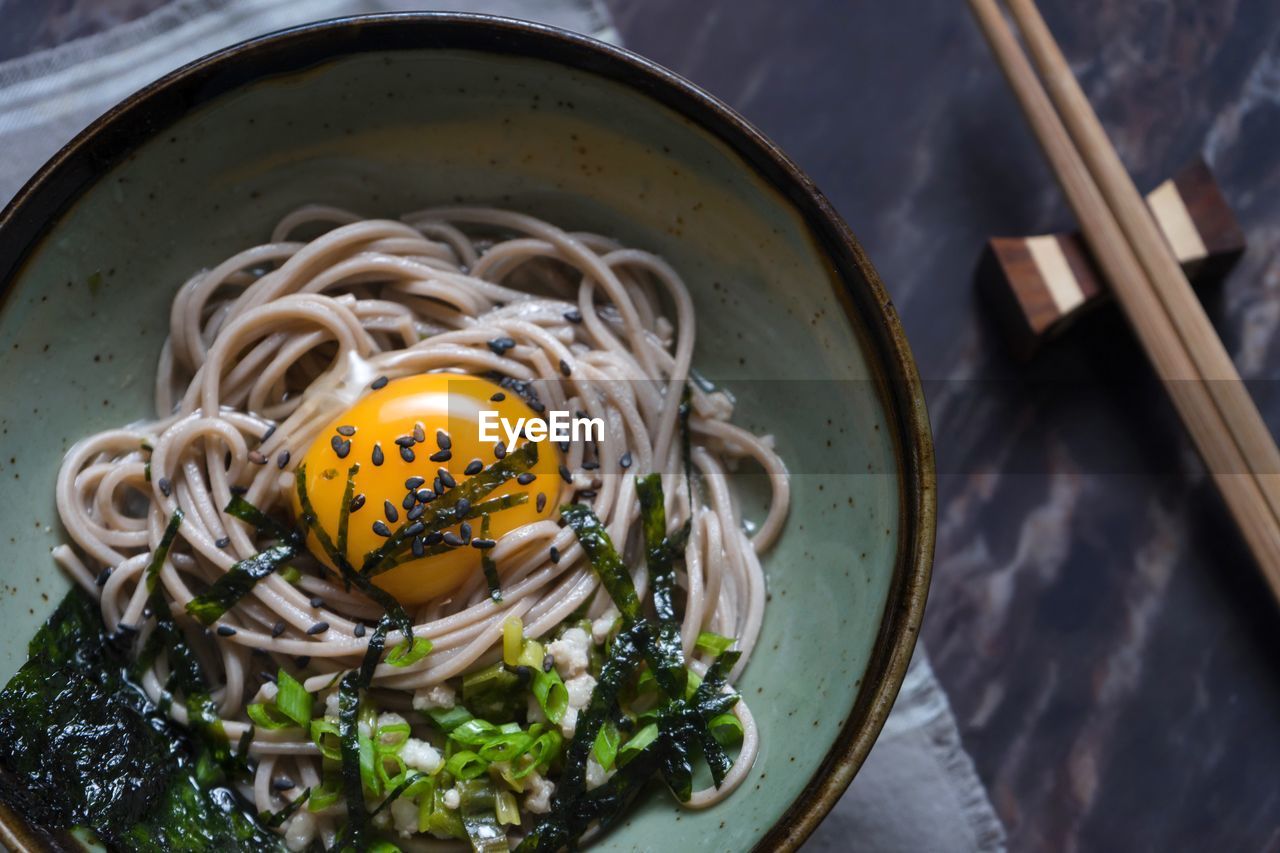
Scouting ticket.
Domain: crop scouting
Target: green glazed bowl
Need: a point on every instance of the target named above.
(387, 114)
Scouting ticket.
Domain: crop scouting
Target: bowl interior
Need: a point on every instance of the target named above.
(383, 133)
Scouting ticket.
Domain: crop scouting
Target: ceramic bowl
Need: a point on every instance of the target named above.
(387, 114)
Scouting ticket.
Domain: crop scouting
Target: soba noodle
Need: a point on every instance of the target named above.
(269, 345)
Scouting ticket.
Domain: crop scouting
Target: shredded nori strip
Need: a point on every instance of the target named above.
(237, 582)
(660, 556)
(278, 818)
(487, 564)
(604, 559)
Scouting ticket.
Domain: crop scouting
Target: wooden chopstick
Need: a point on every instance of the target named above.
(1163, 270)
(1147, 312)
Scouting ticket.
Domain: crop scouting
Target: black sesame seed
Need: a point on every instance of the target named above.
(406, 441)
(223, 542)
(625, 461)
(425, 496)
(406, 453)
(565, 475)
(346, 430)
(418, 547)
(343, 448)
(483, 544)
(379, 383)
(390, 511)
(271, 430)
(475, 466)
(498, 397)
(283, 459)
(435, 486)
(590, 466)
(267, 676)
(537, 406)
(573, 315)
(166, 488)
(433, 538)
(356, 503)
(226, 631)
(555, 554)
(441, 456)
(446, 479)
(277, 629)
(318, 628)
(587, 494)
(499, 346)
(414, 529)
(547, 663)
(317, 601)
(416, 512)
(462, 507)
(257, 458)
(499, 451)
(241, 491)
(101, 579)
(442, 440)
(523, 675)
(464, 530)
(419, 434)
(380, 528)
(541, 502)
(565, 370)
(526, 478)
(410, 500)
(413, 483)
(358, 630)
(282, 783)
(378, 458)
(564, 446)
(302, 661)
(451, 538)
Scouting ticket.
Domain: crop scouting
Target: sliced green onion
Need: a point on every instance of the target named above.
(714, 643)
(448, 719)
(391, 737)
(474, 732)
(726, 729)
(426, 800)
(606, 745)
(466, 764)
(506, 747)
(444, 821)
(292, 698)
(494, 693)
(325, 794)
(542, 752)
(268, 716)
(507, 811)
(291, 574)
(408, 652)
(326, 736)
(637, 744)
(512, 640)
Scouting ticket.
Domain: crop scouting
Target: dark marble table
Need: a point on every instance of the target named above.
(1109, 650)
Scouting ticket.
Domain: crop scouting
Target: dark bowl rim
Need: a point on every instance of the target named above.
(109, 139)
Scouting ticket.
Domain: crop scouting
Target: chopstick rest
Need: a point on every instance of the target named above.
(1039, 286)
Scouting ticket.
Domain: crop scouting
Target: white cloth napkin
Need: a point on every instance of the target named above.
(917, 791)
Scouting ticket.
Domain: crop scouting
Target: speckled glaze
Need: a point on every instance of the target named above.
(384, 115)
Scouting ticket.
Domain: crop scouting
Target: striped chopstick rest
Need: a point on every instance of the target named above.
(1040, 285)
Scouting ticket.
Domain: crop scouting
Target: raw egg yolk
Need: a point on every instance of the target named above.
(401, 436)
